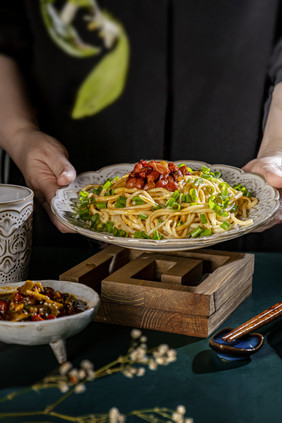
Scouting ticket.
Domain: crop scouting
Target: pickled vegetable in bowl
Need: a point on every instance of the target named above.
(34, 302)
(44, 330)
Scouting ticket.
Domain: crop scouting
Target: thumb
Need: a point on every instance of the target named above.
(67, 175)
(272, 173)
(64, 171)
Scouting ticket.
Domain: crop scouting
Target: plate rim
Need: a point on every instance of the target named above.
(171, 243)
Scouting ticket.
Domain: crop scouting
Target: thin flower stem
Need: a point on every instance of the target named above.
(63, 398)
(12, 395)
(120, 360)
(21, 414)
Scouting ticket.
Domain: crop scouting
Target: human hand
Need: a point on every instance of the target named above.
(270, 167)
(44, 164)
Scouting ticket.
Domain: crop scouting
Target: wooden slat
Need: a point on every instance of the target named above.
(160, 297)
(173, 322)
(228, 307)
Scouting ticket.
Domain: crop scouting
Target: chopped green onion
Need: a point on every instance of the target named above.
(103, 205)
(189, 169)
(140, 234)
(224, 188)
(84, 214)
(180, 223)
(175, 195)
(142, 216)
(205, 169)
(206, 176)
(121, 202)
(210, 189)
(196, 232)
(243, 189)
(211, 202)
(181, 165)
(95, 219)
(194, 195)
(170, 202)
(157, 207)
(156, 235)
(110, 192)
(98, 190)
(206, 232)
(203, 218)
(234, 208)
(185, 198)
(83, 194)
(225, 225)
(198, 181)
(138, 200)
(176, 206)
(217, 174)
(109, 226)
(107, 184)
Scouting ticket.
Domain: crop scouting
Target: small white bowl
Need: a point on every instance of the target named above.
(54, 331)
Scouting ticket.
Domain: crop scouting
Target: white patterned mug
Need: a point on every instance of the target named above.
(16, 212)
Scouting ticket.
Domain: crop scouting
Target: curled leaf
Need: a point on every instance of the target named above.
(106, 81)
(64, 34)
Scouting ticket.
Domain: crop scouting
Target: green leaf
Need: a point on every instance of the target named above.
(106, 81)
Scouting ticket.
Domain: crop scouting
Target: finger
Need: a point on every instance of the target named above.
(67, 175)
(61, 167)
(273, 175)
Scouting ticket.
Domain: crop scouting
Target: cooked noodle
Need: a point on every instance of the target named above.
(203, 204)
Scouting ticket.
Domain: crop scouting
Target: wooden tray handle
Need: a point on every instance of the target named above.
(256, 322)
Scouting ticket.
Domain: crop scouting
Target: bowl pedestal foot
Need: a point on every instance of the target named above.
(59, 349)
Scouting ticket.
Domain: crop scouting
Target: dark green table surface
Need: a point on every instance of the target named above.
(211, 390)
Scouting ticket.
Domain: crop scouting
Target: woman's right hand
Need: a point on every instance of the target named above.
(44, 164)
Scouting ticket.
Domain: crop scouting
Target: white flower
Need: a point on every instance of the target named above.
(86, 365)
(81, 374)
(188, 420)
(163, 348)
(143, 339)
(135, 333)
(90, 375)
(63, 387)
(140, 371)
(115, 416)
(127, 373)
(80, 388)
(65, 368)
(162, 361)
(171, 356)
(181, 409)
(152, 365)
(176, 417)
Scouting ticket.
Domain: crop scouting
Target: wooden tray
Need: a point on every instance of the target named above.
(189, 293)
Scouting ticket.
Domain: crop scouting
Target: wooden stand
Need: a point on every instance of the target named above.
(189, 293)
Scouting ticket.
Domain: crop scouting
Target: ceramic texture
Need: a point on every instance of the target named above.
(63, 207)
(239, 349)
(50, 331)
(16, 212)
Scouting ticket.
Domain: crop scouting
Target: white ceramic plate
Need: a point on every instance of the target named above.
(63, 207)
